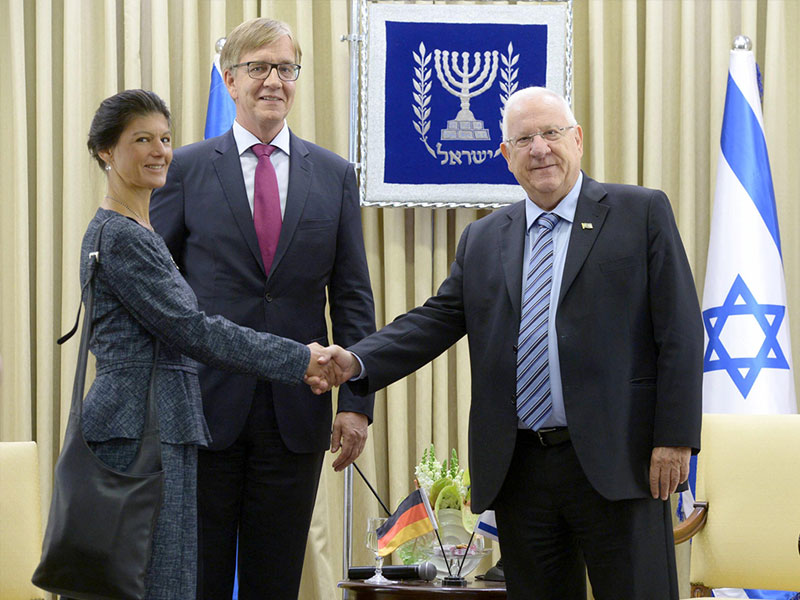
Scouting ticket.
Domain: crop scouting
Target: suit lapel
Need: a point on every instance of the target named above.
(229, 171)
(511, 242)
(301, 169)
(581, 240)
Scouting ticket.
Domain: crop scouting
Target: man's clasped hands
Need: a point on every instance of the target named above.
(329, 367)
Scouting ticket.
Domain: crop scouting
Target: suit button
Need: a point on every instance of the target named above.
(268, 297)
(514, 348)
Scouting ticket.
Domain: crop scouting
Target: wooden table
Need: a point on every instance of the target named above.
(421, 590)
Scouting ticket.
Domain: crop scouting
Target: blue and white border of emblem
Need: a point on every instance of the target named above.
(556, 14)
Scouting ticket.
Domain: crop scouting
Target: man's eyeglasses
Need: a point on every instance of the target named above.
(549, 135)
(262, 70)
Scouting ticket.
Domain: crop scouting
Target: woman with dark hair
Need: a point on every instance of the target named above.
(140, 296)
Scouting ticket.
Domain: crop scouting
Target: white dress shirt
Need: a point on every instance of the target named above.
(279, 158)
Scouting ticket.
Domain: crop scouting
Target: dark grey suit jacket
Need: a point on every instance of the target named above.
(204, 216)
(629, 333)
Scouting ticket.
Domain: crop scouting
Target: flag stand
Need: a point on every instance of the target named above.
(454, 581)
(463, 558)
(457, 580)
(446, 562)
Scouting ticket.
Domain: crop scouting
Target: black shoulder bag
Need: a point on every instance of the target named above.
(100, 530)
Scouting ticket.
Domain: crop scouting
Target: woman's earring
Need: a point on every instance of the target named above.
(108, 167)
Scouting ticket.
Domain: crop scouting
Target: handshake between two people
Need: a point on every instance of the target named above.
(329, 367)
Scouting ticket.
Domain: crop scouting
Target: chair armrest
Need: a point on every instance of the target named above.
(692, 524)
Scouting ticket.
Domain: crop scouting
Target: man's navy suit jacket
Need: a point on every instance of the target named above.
(630, 338)
(204, 216)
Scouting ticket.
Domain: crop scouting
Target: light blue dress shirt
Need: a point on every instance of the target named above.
(566, 211)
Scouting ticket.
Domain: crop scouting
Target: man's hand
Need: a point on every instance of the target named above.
(668, 467)
(345, 363)
(349, 434)
(321, 373)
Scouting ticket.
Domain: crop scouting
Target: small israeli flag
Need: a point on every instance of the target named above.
(221, 110)
(487, 525)
(747, 366)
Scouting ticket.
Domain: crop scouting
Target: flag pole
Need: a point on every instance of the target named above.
(355, 41)
(463, 558)
(444, 556)
(432, 517)
(372, 489)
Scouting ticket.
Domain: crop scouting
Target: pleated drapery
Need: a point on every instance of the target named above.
(649, 86)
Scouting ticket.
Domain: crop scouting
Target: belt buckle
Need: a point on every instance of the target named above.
(542, 440)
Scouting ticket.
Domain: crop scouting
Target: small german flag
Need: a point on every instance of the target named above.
(412, 518)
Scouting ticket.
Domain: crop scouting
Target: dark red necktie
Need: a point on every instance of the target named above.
(266, 205)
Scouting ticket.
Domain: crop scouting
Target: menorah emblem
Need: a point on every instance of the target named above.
(465, 126)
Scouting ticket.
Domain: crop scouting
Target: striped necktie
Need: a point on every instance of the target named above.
(534, 404)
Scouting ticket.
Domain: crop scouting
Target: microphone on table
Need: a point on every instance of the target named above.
(425, 571)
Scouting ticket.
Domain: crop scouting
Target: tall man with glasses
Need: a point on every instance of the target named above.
(263, 225)
(586, 347)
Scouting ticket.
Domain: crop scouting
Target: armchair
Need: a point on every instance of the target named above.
(745, 525)
(20, 520)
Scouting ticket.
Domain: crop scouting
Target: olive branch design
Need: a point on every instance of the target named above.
(422, 85)
(508, 77)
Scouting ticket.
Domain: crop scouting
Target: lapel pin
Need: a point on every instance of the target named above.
(586, 226)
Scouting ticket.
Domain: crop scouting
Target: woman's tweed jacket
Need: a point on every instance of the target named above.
(139, 293)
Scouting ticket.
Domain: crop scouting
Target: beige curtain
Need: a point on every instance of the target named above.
(649, 85)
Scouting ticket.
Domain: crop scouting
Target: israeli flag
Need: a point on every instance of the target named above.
(221, 109)
(747, 366)
(487, 525)
(748, 358)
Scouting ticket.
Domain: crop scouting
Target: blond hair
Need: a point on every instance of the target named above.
(252, 35)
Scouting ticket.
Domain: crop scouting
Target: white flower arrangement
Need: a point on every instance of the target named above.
(430, 470)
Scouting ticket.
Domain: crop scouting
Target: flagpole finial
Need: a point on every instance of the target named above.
(220, 43)
(740, 42)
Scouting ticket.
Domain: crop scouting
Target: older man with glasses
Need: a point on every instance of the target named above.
(586, 348)
(266, 228)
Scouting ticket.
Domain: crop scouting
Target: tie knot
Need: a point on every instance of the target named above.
(547, 221)
(262, 150)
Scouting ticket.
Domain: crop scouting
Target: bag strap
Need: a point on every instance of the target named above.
(148, 456)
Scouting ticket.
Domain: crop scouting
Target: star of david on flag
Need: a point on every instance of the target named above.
(769, 317)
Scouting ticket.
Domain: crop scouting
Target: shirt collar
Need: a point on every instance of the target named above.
(564, 209)
(245, 139)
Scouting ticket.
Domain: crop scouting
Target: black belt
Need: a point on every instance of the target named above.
(552, 436)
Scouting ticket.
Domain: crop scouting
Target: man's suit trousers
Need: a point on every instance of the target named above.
(552, 522)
